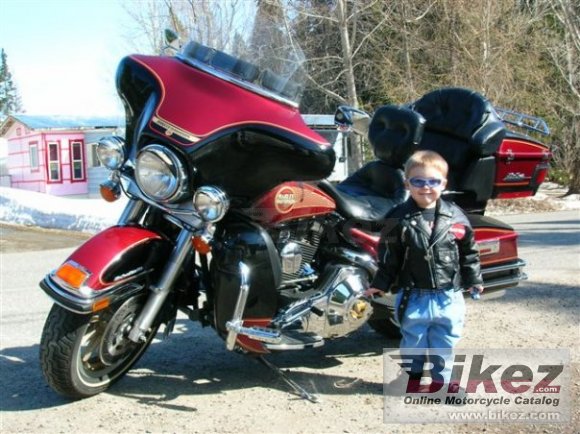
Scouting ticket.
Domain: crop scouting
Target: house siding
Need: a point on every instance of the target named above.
(97, 175)
(21, 175)
(18, 159)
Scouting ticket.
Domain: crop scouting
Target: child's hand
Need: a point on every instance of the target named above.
(475, 292)
(373, 292)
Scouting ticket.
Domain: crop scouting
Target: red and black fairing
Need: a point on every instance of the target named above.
(228, 133)
(244, 143)
(112, 259)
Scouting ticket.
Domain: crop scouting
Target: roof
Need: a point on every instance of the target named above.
(41, 122)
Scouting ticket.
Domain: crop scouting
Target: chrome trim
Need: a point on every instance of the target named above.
(356, 258)
(505, 281)
(117, 143)
(509, 281)
(186, 215)
(310, 278)
(261, 334)
(520, 263)
(181, 177)
(217, 196)
(293, 346)
(83, 290)
(82, 305)
(521, 120)
(244, 84)
(234, 326)
(133, 212)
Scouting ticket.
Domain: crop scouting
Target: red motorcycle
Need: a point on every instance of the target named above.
(230, 219)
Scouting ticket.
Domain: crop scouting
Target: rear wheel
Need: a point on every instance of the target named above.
(82, 355)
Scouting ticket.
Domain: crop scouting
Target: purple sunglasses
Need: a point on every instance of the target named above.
(422, 182)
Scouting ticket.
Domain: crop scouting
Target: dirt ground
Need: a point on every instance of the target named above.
(191, 383)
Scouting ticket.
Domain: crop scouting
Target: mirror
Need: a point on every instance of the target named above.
(170, 36)
(349, 118)
(171, 40)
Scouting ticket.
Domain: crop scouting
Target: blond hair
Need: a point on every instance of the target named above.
(426, 159)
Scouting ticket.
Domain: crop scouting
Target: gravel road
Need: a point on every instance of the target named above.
(191, 383)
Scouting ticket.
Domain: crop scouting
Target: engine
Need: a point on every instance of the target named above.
(335, 308)
(297, 244)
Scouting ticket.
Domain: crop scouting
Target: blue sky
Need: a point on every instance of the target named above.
(63, 53)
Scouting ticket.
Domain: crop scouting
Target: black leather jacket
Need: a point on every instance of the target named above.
(413, 256)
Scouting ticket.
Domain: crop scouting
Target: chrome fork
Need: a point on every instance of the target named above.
(163, 288)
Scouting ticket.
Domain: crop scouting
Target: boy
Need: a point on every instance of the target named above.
(427, 247)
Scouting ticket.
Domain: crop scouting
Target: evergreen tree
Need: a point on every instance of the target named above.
(9, 98)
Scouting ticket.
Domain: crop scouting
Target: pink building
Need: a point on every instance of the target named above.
(54, 154)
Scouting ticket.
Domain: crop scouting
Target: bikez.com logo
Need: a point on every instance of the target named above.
(490, 378)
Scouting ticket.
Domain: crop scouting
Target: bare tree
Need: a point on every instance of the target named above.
(206, 21)
(563, 47)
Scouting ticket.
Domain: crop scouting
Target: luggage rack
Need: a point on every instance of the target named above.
(526, 122)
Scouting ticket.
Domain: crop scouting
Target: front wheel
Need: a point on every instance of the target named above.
(82, 355)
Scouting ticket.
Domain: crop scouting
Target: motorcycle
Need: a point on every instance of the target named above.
(230, 220)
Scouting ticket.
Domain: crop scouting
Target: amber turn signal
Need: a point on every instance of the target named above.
(101, 304)
(200, 245)
(71, 275)
(110, 191)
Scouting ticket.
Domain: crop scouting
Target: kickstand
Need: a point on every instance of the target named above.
(299, 390)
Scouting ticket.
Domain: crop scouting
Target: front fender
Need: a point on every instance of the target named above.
(107, 268)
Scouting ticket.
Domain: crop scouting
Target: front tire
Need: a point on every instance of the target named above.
(82, 355)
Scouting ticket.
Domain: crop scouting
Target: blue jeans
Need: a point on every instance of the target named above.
(432, 320)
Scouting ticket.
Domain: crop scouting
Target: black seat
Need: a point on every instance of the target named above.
(373, 190)
(363, 209)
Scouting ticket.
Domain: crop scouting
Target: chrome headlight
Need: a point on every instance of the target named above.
(211, 203)
(160, 174)
(111, 152)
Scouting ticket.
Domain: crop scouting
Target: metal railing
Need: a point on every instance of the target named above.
(526, 122)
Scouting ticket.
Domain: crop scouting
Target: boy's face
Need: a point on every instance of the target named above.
(425, 185)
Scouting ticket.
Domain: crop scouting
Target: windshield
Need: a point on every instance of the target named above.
(251, 45)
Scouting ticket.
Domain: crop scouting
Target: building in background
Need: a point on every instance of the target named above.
(55, 154)
(325, 126)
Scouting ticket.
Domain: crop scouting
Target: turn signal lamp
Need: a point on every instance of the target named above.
(101, 304)
(200, 245)
(110, 191)
(72, 275)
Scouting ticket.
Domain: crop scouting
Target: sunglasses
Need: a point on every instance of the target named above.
(422, 182)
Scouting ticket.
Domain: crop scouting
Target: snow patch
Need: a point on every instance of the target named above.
(37, 209)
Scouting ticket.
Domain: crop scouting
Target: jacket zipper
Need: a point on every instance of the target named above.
(430, 260)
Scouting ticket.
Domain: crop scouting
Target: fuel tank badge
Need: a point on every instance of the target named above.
(285, 200)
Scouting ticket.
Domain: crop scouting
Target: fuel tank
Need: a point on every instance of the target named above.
(290, 201)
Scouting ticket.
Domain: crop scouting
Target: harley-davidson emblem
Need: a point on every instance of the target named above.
(515, 177)
(171, 130)
(285, 200)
